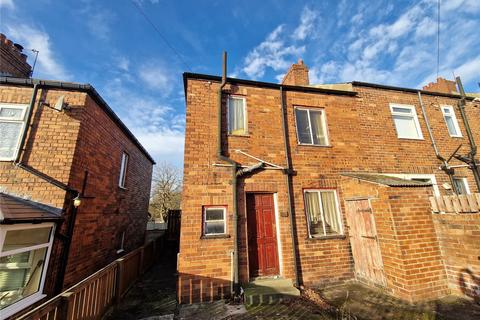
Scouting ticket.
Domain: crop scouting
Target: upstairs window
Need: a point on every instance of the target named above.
(311, 126)
(406, 121)
(451, 121)
(322, 213)
(214, 221)
(123, 170)
(237, 116)
(12, 122)
(461, 185)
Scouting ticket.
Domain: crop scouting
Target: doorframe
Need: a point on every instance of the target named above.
(277, 230)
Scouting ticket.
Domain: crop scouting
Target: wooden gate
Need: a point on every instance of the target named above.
(364, 242)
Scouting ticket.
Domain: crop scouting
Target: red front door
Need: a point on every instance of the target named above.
(262, 236)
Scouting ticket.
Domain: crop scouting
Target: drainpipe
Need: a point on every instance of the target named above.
(288, 179)
(27, 124)
(234, 165)
(444, 166)
(473, 148)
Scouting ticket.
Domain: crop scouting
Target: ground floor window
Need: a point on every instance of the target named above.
(323, 215)
(24, 254)
(214, 220)
(461, 185)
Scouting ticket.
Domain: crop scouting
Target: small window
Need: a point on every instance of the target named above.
(406, 121)
(322, 213)
(24, 255)
(311, 126)
(237, 116)
(214, 221)
(12, 123)
(461, 185)
(123, 170)
(451, 121)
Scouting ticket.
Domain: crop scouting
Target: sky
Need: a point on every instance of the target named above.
(138, 70)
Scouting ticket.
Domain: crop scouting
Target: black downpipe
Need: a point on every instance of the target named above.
(473, 147)
(221, 157)
(288, 179)
(27, 124)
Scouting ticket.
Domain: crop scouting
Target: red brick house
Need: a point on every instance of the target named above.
(74, 186)
(275, 176)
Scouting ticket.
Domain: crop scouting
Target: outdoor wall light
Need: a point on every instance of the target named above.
(77, 201)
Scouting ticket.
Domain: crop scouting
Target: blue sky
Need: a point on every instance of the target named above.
(111, 46)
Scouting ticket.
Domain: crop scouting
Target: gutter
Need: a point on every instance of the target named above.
(220, 156)
(87, 88)
(288, 179)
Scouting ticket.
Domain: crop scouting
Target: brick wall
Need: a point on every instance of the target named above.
(412, 260)
(12, 61)
(362, 138)
(459, 238)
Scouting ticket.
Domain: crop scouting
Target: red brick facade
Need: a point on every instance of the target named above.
(13, 62)
(63, 145)
(362, 137)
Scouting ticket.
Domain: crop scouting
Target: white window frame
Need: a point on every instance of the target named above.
(245, 116)
(204, 224)
(413, 115)
(465, 183)
(324, 123)
(37, 296)
(411, 176)
(454, 118)
(122, 179)
(22, 119)
(339, 214)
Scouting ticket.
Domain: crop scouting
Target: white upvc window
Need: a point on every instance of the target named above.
(323, 213)
(237, 115)
(123, 170)
(461, 185)
(451, 121)
(24, 254)
(311, 126)
(214, 220)
(12, 124)
(406, 121)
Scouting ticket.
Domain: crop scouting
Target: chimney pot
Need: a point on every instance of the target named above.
(18, 46)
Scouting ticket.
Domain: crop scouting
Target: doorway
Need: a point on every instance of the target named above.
(262, 235)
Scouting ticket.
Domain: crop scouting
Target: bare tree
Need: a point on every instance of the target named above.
(166, 190)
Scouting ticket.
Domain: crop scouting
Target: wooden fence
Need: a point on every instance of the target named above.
(92, 297)
(464, 203)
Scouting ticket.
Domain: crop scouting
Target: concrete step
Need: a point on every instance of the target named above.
(269, 291)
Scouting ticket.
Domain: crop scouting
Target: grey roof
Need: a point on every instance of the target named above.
(14, 209)
(386, 180)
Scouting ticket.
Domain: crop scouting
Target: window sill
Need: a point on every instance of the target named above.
(336, 236)
(458, 137)
(21, 304)
(412, 139)
(239, 135)
(314, 145)
(216, 236)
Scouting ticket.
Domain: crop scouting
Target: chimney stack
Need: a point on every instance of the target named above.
(297, 75)
(13, 62)
(441, 85)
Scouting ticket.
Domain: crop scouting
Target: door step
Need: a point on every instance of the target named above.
(269, 291)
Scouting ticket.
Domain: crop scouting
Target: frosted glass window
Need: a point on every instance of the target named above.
(406, 122)
(214, 220)
(11, 129)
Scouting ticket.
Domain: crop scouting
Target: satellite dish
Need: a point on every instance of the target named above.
(60, 104)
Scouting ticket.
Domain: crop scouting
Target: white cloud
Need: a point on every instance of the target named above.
(157, 77)
(307, 21)
(98, 22)
(272, 53)
(7, 4)
(33, 38)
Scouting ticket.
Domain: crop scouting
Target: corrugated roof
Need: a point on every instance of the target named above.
(386, 180)
(17, 210)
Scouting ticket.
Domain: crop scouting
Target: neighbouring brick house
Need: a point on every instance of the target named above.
(74, 188)
(297, 172)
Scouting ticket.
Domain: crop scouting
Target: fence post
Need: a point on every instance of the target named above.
(120, 281)
(66, 306)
